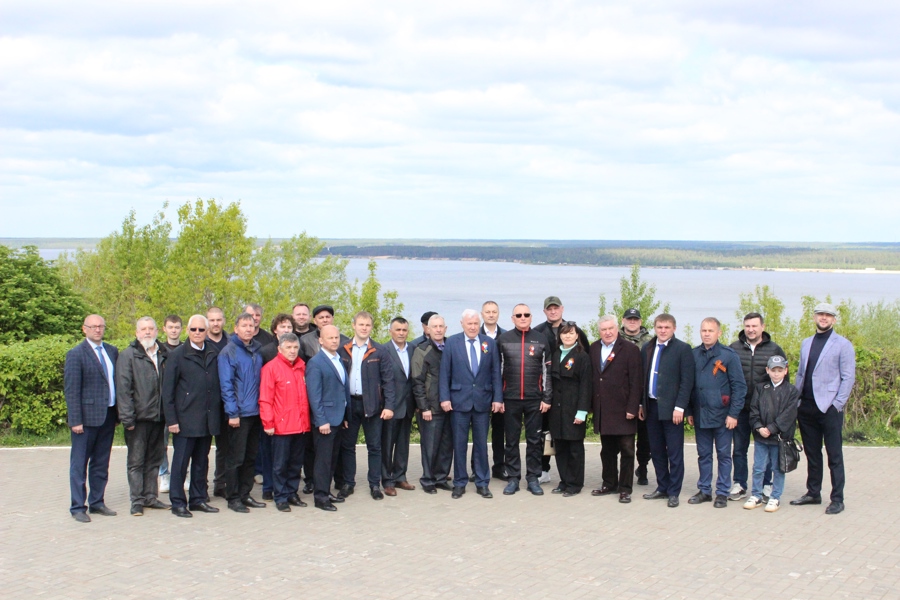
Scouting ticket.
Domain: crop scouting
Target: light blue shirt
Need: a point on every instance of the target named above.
(605, 350)
(404, 356)
(356, 387)
(110, 372)
(336, 361)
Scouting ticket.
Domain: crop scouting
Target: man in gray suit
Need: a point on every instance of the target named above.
(395, 431)
(90, 391)
(825, 376)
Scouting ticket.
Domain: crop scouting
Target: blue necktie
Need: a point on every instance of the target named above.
(473, 357)
(99, 350)
(659, 351)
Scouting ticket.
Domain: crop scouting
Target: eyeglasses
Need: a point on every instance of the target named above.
(200, 329)
(570, 323)
(520, 315)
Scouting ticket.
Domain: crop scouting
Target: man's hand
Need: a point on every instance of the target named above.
(498, 407)
(174, 428)
(629, 416)
(235, 422)
(270, 431)
(544, 407)
(690, 420)
(446, 406)
(641, 413)
(325, 429)
(578, 421)
(346, 425)
(764, 431)
(678, 417)
(730, 422)
(78, 429)
(426, 415)
(387, 415)
(130, 428)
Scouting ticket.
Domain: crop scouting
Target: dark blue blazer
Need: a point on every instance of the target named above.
(675, 380)
(86, 386)
(329, 399)
(457, 384)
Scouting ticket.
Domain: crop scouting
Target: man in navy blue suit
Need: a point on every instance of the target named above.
(90, 390)
(470, 389)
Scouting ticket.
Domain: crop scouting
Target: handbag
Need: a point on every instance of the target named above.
(549, 447)
(788, 454)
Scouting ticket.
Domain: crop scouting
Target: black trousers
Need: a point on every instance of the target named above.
(437, 448)
(395, 450)
(498, 441)
(89, 462)
(243, 444)
(529, 413)
(146, 447)
(817, 427)
(545, 428)
(327, 448)
(193, 451)
(309, 463)
(221, 455)
(570, 464)
(643, 447)
(287, 459)
(371, 427)
(617, 458)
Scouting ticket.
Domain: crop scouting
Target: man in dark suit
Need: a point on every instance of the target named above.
(395, 432)
(490, 314)
(470, 387)
(328, 390)
(372, 400)
(668, 382)
(90, 391)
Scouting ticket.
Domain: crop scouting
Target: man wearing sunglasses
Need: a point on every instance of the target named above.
(525, 357)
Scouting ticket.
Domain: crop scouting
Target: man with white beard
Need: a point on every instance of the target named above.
(139, 371)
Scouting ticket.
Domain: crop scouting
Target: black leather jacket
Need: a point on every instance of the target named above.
(526, 358)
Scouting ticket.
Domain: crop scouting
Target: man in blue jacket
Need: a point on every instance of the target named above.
(240, 365)
(716, 403)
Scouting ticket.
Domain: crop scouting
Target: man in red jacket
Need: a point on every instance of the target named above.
(284, 411)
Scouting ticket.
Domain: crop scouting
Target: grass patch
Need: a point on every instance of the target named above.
(57, 437)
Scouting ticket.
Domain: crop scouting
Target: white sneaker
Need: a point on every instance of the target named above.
(753, 502)
(737, 492)
(164, 484)
(545, 477)
(772, 505)
(767, 490)
(258, 478)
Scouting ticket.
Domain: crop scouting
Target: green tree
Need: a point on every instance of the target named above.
(366, 297)
(633, 293)
(34, 299)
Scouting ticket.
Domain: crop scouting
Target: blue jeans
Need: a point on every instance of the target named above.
(765, 458)
(164, 465)
(721, 436)
(739, 454)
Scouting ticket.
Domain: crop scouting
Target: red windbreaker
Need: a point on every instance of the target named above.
(282, 396)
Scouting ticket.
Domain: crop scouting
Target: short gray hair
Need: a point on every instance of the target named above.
(469, 313)
(201, 317)
(606, 318)
(433, 317)
(144, 320)
(288, 338)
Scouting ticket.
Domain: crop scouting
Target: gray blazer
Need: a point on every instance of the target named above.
(834, 374)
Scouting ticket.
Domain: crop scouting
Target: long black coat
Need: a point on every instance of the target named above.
(192, 398)
(571, 393)
(618, 388)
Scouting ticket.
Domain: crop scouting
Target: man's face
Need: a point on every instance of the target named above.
(283, 328)
(490, 313)
(609, 331)
(664, 330)
(632, 325)
(330, 338)
(173, 331)
(776, 374)
(709, 333)
(426, 330)
(197, 331)
(94, 327)
(824, 321)
(257, 315)
(399, 331)
(753, 329)
(438, 329)
(521, 317)
(323, 318)
(289, 350)
(301, 316)
(146, 331)
(216, 322)
(471, 325)
(245, 330)
(362, 327)
(554, 313)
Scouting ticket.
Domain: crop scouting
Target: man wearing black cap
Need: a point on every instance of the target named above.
(309, 344)
(633, 330)
(425, 333)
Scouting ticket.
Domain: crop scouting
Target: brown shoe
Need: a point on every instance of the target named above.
(624, 497)
(389, 491)
(405, 486)
(603, 491)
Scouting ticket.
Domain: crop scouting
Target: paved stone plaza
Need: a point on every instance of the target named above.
(422, 546)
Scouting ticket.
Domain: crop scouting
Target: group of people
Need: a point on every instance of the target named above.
(289, 404)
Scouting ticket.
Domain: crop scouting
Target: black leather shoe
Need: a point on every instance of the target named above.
(624, 497)
(558, 489)
(328, 506)
(308, 488)
(570, 492)
(429, 489)
(137, 510)
(444, 486)
(834, 508)
(345, 491)
(283, 507)
(535, 488)
(268, 496)
(603, 491)
(699, 498)
(203, 507)
(158, 505)
(655, 495)
(377, 494)
(294, 500)
(236, 506)
(484, 492)
(806, 499)
(335, 499)
(641, 476)
(721, 502)
(499, 474)
(81, 517)
(512, 486)
(458, 492)
(180, 511)
(248, 501)
(673, 502)
(102, 509)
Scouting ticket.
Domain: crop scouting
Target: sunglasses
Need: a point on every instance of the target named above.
(200, 329)
(570, 323)
(520, 315)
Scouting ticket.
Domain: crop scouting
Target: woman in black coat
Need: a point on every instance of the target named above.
(571, 371)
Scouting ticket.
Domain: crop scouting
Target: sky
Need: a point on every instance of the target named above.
(682, 120)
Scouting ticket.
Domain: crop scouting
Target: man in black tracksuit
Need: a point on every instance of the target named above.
(525, 355)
